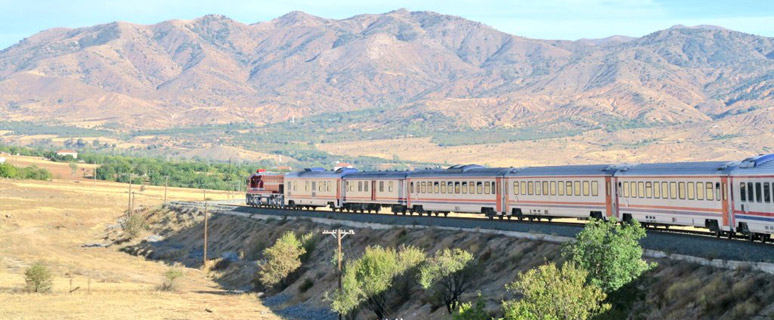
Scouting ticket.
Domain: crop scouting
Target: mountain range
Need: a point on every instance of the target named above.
(414, 66)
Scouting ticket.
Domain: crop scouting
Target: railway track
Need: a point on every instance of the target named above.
(673, 240)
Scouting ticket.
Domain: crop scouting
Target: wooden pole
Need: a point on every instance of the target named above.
(204, 265)
(339, 235)
(129, 206)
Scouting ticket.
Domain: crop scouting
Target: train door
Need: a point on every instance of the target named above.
(609, 205)
(373, 190)
(499, 194)
(726, 200)
(338, 192)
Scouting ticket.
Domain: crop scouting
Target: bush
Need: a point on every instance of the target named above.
(472, 311)
(552, 293)
(448, 275)
(134, 225)
(610, 252)
(282, 258)
(368, 279)
(170, 276)
(38, 278)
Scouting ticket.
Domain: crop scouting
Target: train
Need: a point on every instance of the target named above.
(725, 197)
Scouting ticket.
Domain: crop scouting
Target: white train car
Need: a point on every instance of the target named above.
(580, 191)
(752, 198)
(676, 194)
(370, 191)
(315, 187)
(462, 188)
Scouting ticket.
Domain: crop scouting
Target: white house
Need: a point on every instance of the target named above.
(67, 152)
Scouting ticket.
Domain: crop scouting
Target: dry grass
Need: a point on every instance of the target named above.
(50, 220)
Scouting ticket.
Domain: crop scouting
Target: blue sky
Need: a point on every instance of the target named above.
(545, 19)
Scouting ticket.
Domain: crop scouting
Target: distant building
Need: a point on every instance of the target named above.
(340, 165)
(284, 168)
(67, 152)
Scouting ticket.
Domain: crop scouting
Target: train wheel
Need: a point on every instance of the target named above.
(445, 214)
(501, 218)
(509, 218)
(751, 237)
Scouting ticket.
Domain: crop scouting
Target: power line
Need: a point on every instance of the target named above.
(339, 234)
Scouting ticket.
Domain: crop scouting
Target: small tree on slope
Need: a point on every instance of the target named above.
(448, 275)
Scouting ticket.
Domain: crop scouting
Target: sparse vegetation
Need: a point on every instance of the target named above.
(170, 277)
(34, 173)
(38, 278)
(610, 252)
(134, 225)
(448, 275)
(549, 292)
(472, 311)
(281, 259)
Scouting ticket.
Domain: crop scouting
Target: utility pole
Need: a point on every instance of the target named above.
(339, 234)
(204, 264)
(166, 182)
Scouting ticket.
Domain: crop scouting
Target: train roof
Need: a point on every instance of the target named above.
(470, 170)
(678, 168)
(761, 164)
(572, 170)
(379, 175)
(321, 173)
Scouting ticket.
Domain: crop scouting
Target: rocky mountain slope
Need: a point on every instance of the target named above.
(216, 70)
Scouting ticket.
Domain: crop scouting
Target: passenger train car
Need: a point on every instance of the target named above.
(725, 197)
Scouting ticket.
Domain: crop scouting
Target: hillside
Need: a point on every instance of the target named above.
(378, 76)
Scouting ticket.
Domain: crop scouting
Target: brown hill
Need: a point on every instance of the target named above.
(216, 70)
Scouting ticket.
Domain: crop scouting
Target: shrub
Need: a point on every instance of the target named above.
(134, 225)
(448, 275)
(170, 276)
(552, 293)
(610, 252)
(368, 279)
(38, 278)
(472, 311)
(282, 258)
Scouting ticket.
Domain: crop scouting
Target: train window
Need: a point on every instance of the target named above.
(700, 191)
(422, 187)
(457, 187)
(595, 188)
(487, 187)
(681, 190)
(464, 187)
(766, 192)
(641, 189)
(750, 192)
(656, 190)
(717, 191)
(389, 186)
(553, 188)
(673, 190)
(691, 190)
(633, 189)
(743, 191)
(443, 186)
(710, 192)
(545, 188)
(577, 188)
(411, 187)
(664, 190)
(471, 187)
(531, 187)
(538, 190)
(480, 188)
(586, 188)
(360, 186)
(625, 189)
(523, 188)
(758, 192)
(365, 185)
(450, 187)
(648, 189)
(515, 188)
(381, 186)
(568, 186)
(561, 188)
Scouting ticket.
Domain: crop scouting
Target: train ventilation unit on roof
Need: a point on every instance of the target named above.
(314, 169)
(756, 161)
(464, 167)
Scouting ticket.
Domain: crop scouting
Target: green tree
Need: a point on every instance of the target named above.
(368, 279)
(549, 293)
(448, 275)
(38, 278)
(170, 276)
(472, 311)
(610, 252)
(7, 171)
(282, 258)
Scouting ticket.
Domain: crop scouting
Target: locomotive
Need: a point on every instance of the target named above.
(726, 197)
